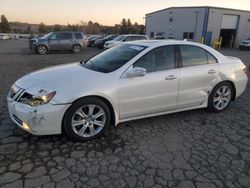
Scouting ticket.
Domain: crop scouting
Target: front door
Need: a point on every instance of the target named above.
(157, 91)
(54, 41)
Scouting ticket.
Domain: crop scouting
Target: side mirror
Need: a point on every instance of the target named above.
(136, 72)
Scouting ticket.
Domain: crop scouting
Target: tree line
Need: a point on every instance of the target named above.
(90, 27)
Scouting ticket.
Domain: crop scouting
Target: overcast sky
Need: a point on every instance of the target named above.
(106, 12)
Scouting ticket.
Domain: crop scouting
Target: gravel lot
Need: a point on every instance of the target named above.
(192, 149)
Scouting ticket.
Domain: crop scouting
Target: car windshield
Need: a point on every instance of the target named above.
(46, 36)
(91, 37)
(108, 37)
(113, 58)
(119, 38)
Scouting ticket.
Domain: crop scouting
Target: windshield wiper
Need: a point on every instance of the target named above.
(93, 65)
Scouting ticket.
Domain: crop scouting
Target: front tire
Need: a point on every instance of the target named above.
(41, 49)
(87, 119)
(220, 97)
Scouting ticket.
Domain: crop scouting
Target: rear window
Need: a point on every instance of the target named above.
(142, 38)
(65, 36)
(78, 36)
(192, 56)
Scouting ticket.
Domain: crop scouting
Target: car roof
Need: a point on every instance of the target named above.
(132, 35)
(159, 43)
(155, 43)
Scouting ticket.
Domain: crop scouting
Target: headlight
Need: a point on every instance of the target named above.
(14, 90)
(32, 100)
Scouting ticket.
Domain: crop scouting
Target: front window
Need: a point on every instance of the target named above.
(54, 36)
(113, 58)
(158, 59)
(46, 36)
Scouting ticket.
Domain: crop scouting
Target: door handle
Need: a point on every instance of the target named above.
(170, 77)
(211, 71)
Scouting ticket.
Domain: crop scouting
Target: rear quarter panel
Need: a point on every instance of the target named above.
(233, 70)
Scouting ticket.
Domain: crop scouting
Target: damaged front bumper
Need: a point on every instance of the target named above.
(40, 120)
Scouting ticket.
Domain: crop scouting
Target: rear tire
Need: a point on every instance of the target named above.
(220, 97)
(76, 49)
(86, 119)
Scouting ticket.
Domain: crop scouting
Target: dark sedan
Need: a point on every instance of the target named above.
(91, 40)
(100, 42)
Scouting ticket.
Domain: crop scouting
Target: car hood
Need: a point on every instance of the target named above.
(67, 80)
(41, 39)
(55, 75)
(113, 42)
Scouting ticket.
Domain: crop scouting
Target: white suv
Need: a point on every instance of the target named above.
(124, 38)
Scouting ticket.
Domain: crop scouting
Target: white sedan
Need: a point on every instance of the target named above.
(124, 38)
(130, 81)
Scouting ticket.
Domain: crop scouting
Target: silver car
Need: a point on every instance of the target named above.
(130, 81)
(59, 41)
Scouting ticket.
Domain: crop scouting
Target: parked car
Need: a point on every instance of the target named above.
(170, 36)
(163, 35)
(16, 37)
(124, 38)
(100, 42)
(160, 35)
(91, 40)
(4, 37)
(245, 44)
(72, 41)
(130, 81)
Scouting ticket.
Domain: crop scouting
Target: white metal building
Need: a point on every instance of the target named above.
(193, 23)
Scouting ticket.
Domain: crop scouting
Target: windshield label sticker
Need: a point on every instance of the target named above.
(138, 48)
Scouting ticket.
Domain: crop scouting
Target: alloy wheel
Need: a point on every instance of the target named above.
(42, 50)
(222, 97)
(88, 120)
(76, 49)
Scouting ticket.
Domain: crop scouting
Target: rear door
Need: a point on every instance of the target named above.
(66, 41)
(198, 75)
